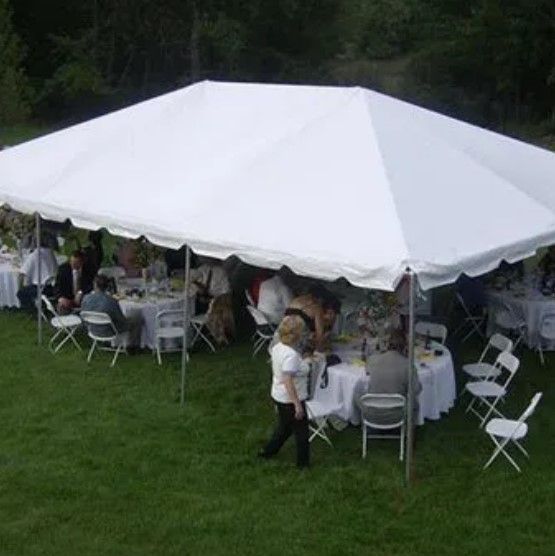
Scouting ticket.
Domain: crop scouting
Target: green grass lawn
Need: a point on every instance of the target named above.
(98, 461)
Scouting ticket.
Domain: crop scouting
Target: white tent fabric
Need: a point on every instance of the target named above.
(331, 181)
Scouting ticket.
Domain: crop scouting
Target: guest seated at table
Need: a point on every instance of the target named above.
(30, 275)
(102, 302)
(273, 297)
(214, 297)
(72, 282)
(289, 392)
(318, 309)
(547, 263)
(388, 374)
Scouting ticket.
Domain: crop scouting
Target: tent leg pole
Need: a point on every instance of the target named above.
(39, 285)
(410, 390)
(186, 318)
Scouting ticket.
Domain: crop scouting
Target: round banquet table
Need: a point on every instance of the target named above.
(348, 381)
(532, 305)
(148, 309)
(9, 282)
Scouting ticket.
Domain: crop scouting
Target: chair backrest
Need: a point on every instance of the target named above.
(318, 366)
(547, 326)
(259, 317)
(434, 330)
(499, 342)
(509, 362)
(531, 407)
(116, 272)
(49, 305)
(94, 319)
(250, 300)
(384, 403)
(173, 317)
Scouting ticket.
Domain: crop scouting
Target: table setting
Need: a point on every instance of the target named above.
(529, 298)
(10, 264)
(348, 380)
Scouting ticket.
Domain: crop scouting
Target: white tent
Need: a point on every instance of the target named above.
(330, 181)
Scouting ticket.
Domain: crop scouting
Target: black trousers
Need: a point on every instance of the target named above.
(288, 425)
(28, 294)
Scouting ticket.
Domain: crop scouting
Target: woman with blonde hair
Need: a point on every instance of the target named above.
(289, 391)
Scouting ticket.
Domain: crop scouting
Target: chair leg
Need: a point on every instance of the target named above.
(158, 354)
(118, 349)
(402, 443)
(364, 441)
(91, 351)
(540, 350)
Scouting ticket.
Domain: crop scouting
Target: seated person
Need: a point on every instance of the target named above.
(547, 263)
(273, 298)
(214, 298)
(388, 374)
(318, 309)
(102, 302)
(30, 275)
(72, 282)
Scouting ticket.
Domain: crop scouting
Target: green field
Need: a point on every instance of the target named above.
(98, 461)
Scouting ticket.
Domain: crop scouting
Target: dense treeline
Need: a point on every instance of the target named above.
(488, 61)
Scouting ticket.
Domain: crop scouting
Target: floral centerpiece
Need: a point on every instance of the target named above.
(377, 316)
(15, 226)
(145, 254)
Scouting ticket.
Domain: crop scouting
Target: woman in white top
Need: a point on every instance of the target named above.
(289, 391)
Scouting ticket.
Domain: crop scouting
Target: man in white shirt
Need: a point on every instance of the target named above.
(30, 276)
(273, 298)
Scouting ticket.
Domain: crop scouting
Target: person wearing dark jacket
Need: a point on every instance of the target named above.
(73, 280)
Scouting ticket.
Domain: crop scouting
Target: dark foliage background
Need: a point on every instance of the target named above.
(491, 62)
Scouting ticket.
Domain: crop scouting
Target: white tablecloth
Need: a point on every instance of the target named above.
(348, 381)
(148, 309)
(9, 275)
(532, 306)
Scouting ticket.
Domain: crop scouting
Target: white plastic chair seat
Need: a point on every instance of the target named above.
(66, 321)
(485, 389)
(199, 319)
(170, 332)
(507, 428)
(481, 370)
(316, 409)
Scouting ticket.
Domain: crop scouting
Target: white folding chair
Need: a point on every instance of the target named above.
(168, 326)
(393, 410)
(264, 329)
(482, 369)
(546, 333)
(486, 390)
(473, 322)
(317, 412)
(64, 325)
(115, 272)
(199, 325)
(431, 329)
(503, 431)
(101, 329)
(509, 317)
(250, 300)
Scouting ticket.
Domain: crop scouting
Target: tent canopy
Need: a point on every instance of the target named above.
(331, 181)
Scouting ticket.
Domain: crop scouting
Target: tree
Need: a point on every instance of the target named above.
(14, 91)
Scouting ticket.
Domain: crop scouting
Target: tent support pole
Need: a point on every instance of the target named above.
(186, 317)
(410, 390)
(39, 285)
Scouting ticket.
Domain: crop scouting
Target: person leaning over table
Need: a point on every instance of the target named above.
(73, 280)
(101, 301)
(318, 310)
(289, 392)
